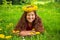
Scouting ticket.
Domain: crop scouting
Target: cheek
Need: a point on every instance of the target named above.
(27, 17)
(33, 17)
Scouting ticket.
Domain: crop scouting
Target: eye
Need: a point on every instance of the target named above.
(32, 14)
(28, 15)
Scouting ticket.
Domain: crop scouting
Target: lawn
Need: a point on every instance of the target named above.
(49, 13)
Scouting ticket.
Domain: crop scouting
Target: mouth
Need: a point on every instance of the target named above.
(30, 20)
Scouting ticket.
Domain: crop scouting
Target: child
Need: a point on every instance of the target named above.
(29, 22)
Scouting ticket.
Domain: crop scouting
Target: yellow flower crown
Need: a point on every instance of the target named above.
(30, 8)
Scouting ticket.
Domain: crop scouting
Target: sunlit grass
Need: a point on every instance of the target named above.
(49, 13)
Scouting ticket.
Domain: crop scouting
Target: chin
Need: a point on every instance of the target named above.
(30, 21)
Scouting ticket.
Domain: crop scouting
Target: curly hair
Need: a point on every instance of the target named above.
(37, 23)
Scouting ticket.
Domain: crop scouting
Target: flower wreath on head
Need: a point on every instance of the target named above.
(30, 8)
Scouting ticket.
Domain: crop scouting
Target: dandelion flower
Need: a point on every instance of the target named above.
(31, 33)
(33, 29)
(11, 24)
(30, 8)
(15, 31)
(2, 36)
(0, 29)
(37, 32)
(7, 37)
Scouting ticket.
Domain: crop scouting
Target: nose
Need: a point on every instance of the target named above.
(30, 17)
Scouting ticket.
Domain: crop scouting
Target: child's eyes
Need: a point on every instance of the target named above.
(28, 15)
(31, 15)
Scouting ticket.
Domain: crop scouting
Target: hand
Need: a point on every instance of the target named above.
(25, 33)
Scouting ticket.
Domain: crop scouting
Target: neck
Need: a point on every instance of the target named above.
(30, 24)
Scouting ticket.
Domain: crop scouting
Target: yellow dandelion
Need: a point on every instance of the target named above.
(24, 8)
(7, 37)
(0, 28)
(17, 31)
(11, 24)
(2, 36)
(31, 33)
(33, 29)
(35, 7)
(37, 32)
(30, 8)
(14, 31)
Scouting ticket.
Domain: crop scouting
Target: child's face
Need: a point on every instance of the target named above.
(30, 17)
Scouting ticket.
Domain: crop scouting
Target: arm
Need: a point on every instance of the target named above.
(26, 33)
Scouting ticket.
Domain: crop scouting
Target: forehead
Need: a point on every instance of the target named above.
(31, 12)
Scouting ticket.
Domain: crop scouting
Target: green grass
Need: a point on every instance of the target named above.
(49, 13)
